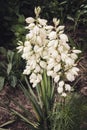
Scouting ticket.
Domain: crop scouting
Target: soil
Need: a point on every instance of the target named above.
(7, 104)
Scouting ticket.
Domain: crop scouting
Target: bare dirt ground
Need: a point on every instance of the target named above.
(6, 104)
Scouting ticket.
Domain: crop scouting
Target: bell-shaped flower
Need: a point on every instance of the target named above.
(57, 78)
(75, 71)
(74, 56)
(37, 69)
(67, 87)
(52, 35)
(29, 36)
(70, 76)
(63, 94)
(53, 43)
(50, 73)
(29, 20)
(60, 90)
(30, 26)
(61, 83)
(20, 48)
(42, 21)
(27, 70)
(64, 38)
(60, 28)
(37, 11)
(43, 64)
(76, 51)
(49, 27)
(56, 21)
(69, 61)
(57, 67)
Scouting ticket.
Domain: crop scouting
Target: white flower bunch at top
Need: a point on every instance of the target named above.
(46, 47)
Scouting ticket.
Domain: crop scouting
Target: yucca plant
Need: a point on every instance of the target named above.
(50, 66)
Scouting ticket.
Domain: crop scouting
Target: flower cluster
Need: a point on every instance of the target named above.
(46, 47)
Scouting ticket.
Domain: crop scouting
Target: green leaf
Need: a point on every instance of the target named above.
(2, 79)
(3, 129)
(70, 18)
(13, 81)
(34, 101)
(72, 43)
(29, 88)
(7, 123)
(3, 50)
(10, 55)
(25, 119)
(21, 19)
(9, 67)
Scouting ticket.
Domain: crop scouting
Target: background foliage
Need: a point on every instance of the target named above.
(12, 13)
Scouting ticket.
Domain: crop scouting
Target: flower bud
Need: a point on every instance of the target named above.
(37, 10)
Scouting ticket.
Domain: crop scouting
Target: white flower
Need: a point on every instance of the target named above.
(37, 10)
(54, 53)
(33, 76)
(50, 73)
(42, 21)
(50, 66)
(36, 47)
(29, 20)
(64, 37)
(60, 28)
(45, 54)
(69, 61)
(43, 64)
(53, 43)
(37, 69)
(67, 87)
(61, 83)
(76, 51)
(74, 70)
(60, 90)
(74, 56)
(56, 79)
(60, 32)
(60, 49)
(33, 64)
(39, 77)
(31, 26)
(57, 67)
(63, 56)
(27, 70)
(52, 35)
(39, 40)
(63, 94)
(20, 48)
(36, 79)
(25, 56)
(36, 30)
(49, 27)
(27, 43)
(56, 22)
(70, 76)
(29, 36)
